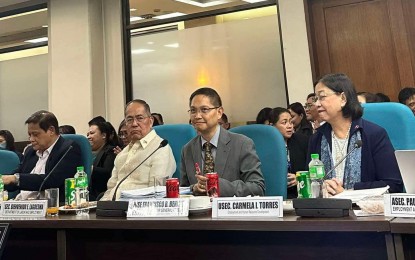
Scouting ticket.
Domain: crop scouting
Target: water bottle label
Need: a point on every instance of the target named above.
(313, 172)
(320, 172)
(81, 182)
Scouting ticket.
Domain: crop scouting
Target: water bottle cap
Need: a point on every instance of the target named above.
(80, 168)
(315, 156)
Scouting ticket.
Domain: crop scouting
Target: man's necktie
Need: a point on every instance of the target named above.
(209, 164)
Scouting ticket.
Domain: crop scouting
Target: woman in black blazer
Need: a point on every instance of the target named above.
(296, 147)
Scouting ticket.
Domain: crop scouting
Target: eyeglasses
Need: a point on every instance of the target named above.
(323, 95)
(202, 110)
(130, 120)
(308, 105)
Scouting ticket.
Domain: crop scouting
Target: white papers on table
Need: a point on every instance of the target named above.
(356, 195)
(149, 192)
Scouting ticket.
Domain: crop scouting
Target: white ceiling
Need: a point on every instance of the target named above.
(14, 31)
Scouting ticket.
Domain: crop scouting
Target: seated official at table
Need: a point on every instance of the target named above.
(231, 155)
(47, 148)
(371, 166)
(144, 141)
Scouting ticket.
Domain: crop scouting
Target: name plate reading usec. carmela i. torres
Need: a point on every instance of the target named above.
(399, 205)
(247, 207)
(158, 208)
(28, 208)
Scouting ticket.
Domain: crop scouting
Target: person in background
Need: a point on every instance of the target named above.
(123, 137)
(103, 157)
(158, 117)
(382, 97)
(263, 116)
(48, 148)
(312, 113)
(367, 97)
(407, 97)
(7, 143)
(66, 129)
(223, 122)
(144, 141)
(114, 136)
(296, 145)
(231, 155)
(299, 119)
(371, 166)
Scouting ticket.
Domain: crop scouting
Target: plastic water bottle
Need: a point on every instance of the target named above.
(81, 192)
(317, 173)
(1, 188)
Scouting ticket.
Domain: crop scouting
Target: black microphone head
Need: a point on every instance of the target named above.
(164, 143)
(358, 144)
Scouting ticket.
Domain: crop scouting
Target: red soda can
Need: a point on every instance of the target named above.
(212, 184)
(172, 188)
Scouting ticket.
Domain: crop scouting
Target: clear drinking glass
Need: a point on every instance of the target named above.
(52, 195)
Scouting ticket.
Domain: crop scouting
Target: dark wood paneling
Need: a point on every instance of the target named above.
(367, 40)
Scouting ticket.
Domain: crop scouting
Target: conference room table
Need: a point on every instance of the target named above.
(200, 237)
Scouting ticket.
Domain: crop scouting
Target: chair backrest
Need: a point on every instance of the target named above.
(9, 161)
(178, 135)
(397, 119)
(86, 151)
(270, 147)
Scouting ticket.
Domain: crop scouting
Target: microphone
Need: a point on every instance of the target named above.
(114, 208)
(356, 145)
(53, 169)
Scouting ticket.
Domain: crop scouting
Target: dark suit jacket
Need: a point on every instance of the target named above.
(297, 147)
(103, 165)
(66, 168)
(236, 162)
(378, 166)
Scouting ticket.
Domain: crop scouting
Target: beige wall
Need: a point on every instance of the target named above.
(296, 50)
(85, 61)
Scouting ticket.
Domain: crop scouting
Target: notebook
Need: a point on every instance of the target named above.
(406, 162)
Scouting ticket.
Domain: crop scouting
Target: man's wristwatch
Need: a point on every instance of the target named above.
(17, 176)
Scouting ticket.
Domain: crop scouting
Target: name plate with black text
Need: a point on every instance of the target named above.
(399, 205)
(247, 207)
(158, 208)
(28, 208)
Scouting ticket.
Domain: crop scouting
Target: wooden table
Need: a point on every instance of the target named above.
(200, 237)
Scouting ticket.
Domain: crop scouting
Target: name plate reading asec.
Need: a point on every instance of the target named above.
(28, 208)
(247, 207)
(399, 205)
(158, 208)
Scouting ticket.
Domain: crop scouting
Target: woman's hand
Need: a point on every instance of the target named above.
(291, 180)
(334, 186)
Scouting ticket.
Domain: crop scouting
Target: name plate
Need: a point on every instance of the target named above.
(399, 205)
(158, 208)
(247, 207)
(28, 208)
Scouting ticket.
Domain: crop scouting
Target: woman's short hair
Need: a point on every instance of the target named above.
(342, 83)
(263, 115)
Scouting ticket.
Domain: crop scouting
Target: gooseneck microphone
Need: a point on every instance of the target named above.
(356, 145)
(114, 208)
(162, 144)
(53, 169)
